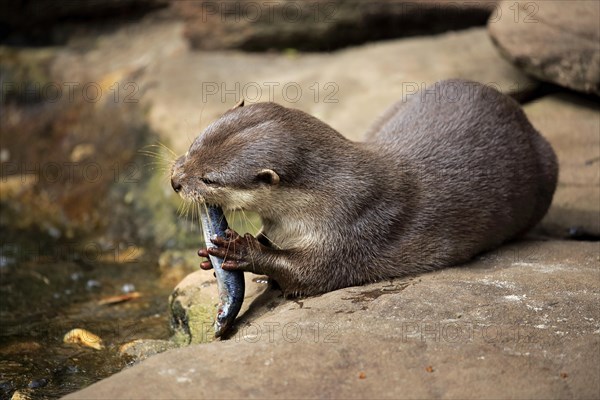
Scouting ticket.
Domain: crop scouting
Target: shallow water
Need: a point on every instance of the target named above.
(48, 290)
(41, 300)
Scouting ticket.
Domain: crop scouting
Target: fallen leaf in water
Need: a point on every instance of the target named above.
(83, 337)
(119, 298)
(22, 394)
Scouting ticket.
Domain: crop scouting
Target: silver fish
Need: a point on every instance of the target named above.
(230, 284)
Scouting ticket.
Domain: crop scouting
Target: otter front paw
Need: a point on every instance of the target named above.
(205, 265)
(235, 250)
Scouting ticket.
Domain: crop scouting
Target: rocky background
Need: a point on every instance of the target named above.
(98, 97)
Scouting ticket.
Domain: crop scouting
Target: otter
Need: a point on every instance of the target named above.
(443, 176)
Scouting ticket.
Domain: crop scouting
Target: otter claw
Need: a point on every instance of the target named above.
(203, 252)
(233, 250)
(227, 253)
(206, 265)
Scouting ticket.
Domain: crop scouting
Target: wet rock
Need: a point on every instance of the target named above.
(572, 125)
(141, 349)
(555, 41)
(317, 25)
(37, 383)
(524, 317)
(193, 306)
(5, 388)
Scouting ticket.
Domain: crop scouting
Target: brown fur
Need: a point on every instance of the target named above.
(440, 180)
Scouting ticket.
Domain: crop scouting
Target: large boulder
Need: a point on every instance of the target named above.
(572, 125)
(193, 305)
(555, 41)
(520, 322)
(317, 25)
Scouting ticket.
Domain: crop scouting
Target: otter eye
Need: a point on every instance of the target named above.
(207, 181)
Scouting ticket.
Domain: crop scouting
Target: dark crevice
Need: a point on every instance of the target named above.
(544, 89)
(372, 27)
(580, 234)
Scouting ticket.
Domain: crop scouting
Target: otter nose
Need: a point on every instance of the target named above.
(175, 185)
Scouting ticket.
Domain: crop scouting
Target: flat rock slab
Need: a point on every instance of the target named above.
(555, 41)
(572, 125)
(520, 322)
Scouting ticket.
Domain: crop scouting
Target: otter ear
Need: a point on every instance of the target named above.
(268, 176)
(239, 104)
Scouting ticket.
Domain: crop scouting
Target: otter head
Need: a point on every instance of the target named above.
(241, 160)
